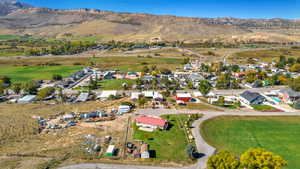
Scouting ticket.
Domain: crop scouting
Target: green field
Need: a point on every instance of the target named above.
(280, 135)
(27, 73)
(8, 37)
(131, 64)
(169, 144)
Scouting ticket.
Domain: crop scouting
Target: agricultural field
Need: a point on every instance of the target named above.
(168, 145)
(237, 134)
(268, 55)
(8, 37)
(27, 73)
(131, 64)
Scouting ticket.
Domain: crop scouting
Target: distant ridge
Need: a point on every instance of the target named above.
(21, 18)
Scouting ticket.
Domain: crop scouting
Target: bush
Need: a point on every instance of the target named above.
(57, 77)
(43, 93)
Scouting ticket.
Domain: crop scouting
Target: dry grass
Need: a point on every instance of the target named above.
(21, 145)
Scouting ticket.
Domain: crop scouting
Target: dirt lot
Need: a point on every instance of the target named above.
(21, 145)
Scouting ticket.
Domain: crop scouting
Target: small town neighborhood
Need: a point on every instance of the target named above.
(218, 87)
(149, 84)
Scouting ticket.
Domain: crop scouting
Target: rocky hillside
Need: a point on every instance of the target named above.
(7, 7)
(18, 18)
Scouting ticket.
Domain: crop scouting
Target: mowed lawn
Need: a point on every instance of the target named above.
(280, 135)
(27, 73)
(132, 64)
(115, 84)
(169, 144)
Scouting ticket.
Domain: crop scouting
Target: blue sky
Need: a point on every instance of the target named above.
(289, 9)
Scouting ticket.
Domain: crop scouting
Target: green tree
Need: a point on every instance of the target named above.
(221, 100)
(145, 69)
(223, 160)
(235, 68)
(16, 87)
(251, 76)
(190, 85)
(295, 84)
(5, 79)
(238, 104)
(204, 87)
(30, 87)
(261, 159)
(291, 61)
(297, 104)
(295, 68)
(186, 61)
(57, 77)
(1, 87)
(45, 92)
(142, 101)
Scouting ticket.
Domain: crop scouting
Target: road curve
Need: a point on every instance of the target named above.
(202, 146)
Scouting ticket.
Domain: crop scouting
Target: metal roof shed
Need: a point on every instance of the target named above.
(110, 150)
(27, 99)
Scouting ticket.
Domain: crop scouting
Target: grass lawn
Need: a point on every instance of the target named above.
(27, 73)
(237, 134)
(8, 37)
(168, 144)
(131, 64)
(227, 106)
(115, 84)
(263, 108)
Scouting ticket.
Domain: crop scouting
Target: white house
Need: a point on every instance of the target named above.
(106, 93)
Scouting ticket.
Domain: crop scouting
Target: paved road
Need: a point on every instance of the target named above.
(203, 147)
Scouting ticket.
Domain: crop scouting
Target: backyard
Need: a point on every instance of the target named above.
(237, 134)
(28, 73)
(169, 144)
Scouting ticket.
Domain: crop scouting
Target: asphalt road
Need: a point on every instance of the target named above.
(204, 148)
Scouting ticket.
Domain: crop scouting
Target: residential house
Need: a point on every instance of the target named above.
(83, 97)
(106, 94)
(288, 95)
(252, 98)
(27, 99)
(151, 123)
(185, 97)
(135, 95)
(123, 109)
(132, 75)
(187, 67)
(239, 75)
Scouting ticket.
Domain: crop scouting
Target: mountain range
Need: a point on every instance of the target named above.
(20, 18)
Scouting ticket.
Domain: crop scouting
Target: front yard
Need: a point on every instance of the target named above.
(167, 145)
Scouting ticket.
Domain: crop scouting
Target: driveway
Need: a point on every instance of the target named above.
(202, 147)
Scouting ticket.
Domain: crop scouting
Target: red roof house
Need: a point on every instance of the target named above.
(185, 97)
(151, 122)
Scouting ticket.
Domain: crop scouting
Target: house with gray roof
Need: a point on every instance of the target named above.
(252, 98)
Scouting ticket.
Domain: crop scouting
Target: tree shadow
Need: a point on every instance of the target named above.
(152, 153)
(170, 125)
(198, 155)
